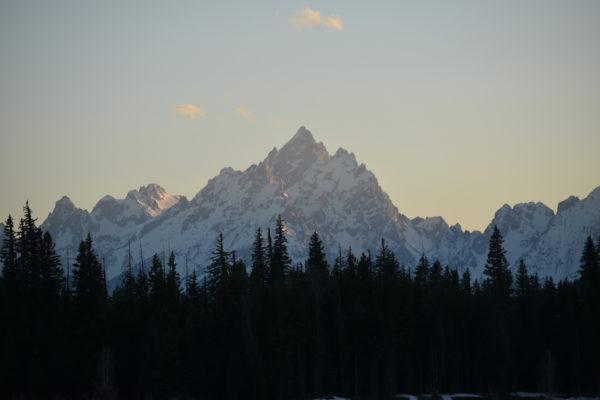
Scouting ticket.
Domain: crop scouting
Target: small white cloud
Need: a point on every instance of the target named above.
(245, 114)
(307, 18)
(334, 23)
(189, 110)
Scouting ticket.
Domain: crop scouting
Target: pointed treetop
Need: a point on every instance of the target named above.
(499, 276)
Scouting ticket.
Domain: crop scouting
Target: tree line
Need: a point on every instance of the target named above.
(363, 327)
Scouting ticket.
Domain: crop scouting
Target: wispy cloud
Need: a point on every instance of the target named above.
(189, 110)
(307, 18)
(245, 114)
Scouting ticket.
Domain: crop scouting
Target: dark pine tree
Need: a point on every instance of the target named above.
(8, 256)
(88, 279)
(259, 274)
(435, 275)
(52, 277)
(192, 288)
(280, 260)
(269, 249)
(89, 296)
(386, 264)
(499, 277)
(590, 310)
(218, 272)
(350, 265)
(28, 246)
(127, 321)
(142, 289)
(316, 264)
(317, 271)
(157, 281)
(173, 281)
(365, 270)
(422, 271)
(590, 267)
(387, 304)
(528, 348)
(339, 264)
(126, 292)
(523, 280)
(14, 343)
(497, 289)
(465, 283)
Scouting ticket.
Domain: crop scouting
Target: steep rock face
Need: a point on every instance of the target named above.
(461, 249)
(290, 163)
(153, 199)
(138, 206)
(315, 191)
(69, 224)
(559, 250)
(120, 213)
(522, 226)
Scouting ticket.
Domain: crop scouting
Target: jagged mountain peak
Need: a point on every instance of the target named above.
(594, 195)
(502, 210)
(64, 209)
(109, 207)
(430, 223)
(152, 190)
(64, 203)
(564, 205)
(574, 203)
(457, 228)
(303, 134)
(68, 223)
(104, 199)
(535, 211)
(531, 216)
(342, 153)
(290, 162)
(153, 198)
(228, 171)
(521, 208)
(302, 145)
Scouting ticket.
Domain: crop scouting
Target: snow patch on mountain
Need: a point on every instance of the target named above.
(153, 199)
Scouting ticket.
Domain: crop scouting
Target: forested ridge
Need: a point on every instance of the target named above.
(275, 328)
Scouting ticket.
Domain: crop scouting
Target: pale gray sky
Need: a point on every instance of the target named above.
(456, 106)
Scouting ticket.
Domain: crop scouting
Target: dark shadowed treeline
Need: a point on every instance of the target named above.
(364, 327)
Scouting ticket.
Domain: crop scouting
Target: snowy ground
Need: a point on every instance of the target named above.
(442, 396)
(530, 395)
(455, 396)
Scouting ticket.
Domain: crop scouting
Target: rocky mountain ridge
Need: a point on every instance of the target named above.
(315, 191)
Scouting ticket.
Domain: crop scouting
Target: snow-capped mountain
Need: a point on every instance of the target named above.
(315, 191)
(153, 199)
(559, 249)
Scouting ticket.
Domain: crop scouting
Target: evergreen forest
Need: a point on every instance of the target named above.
(361, 326)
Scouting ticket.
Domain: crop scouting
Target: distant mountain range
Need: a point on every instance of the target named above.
(315, 191)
